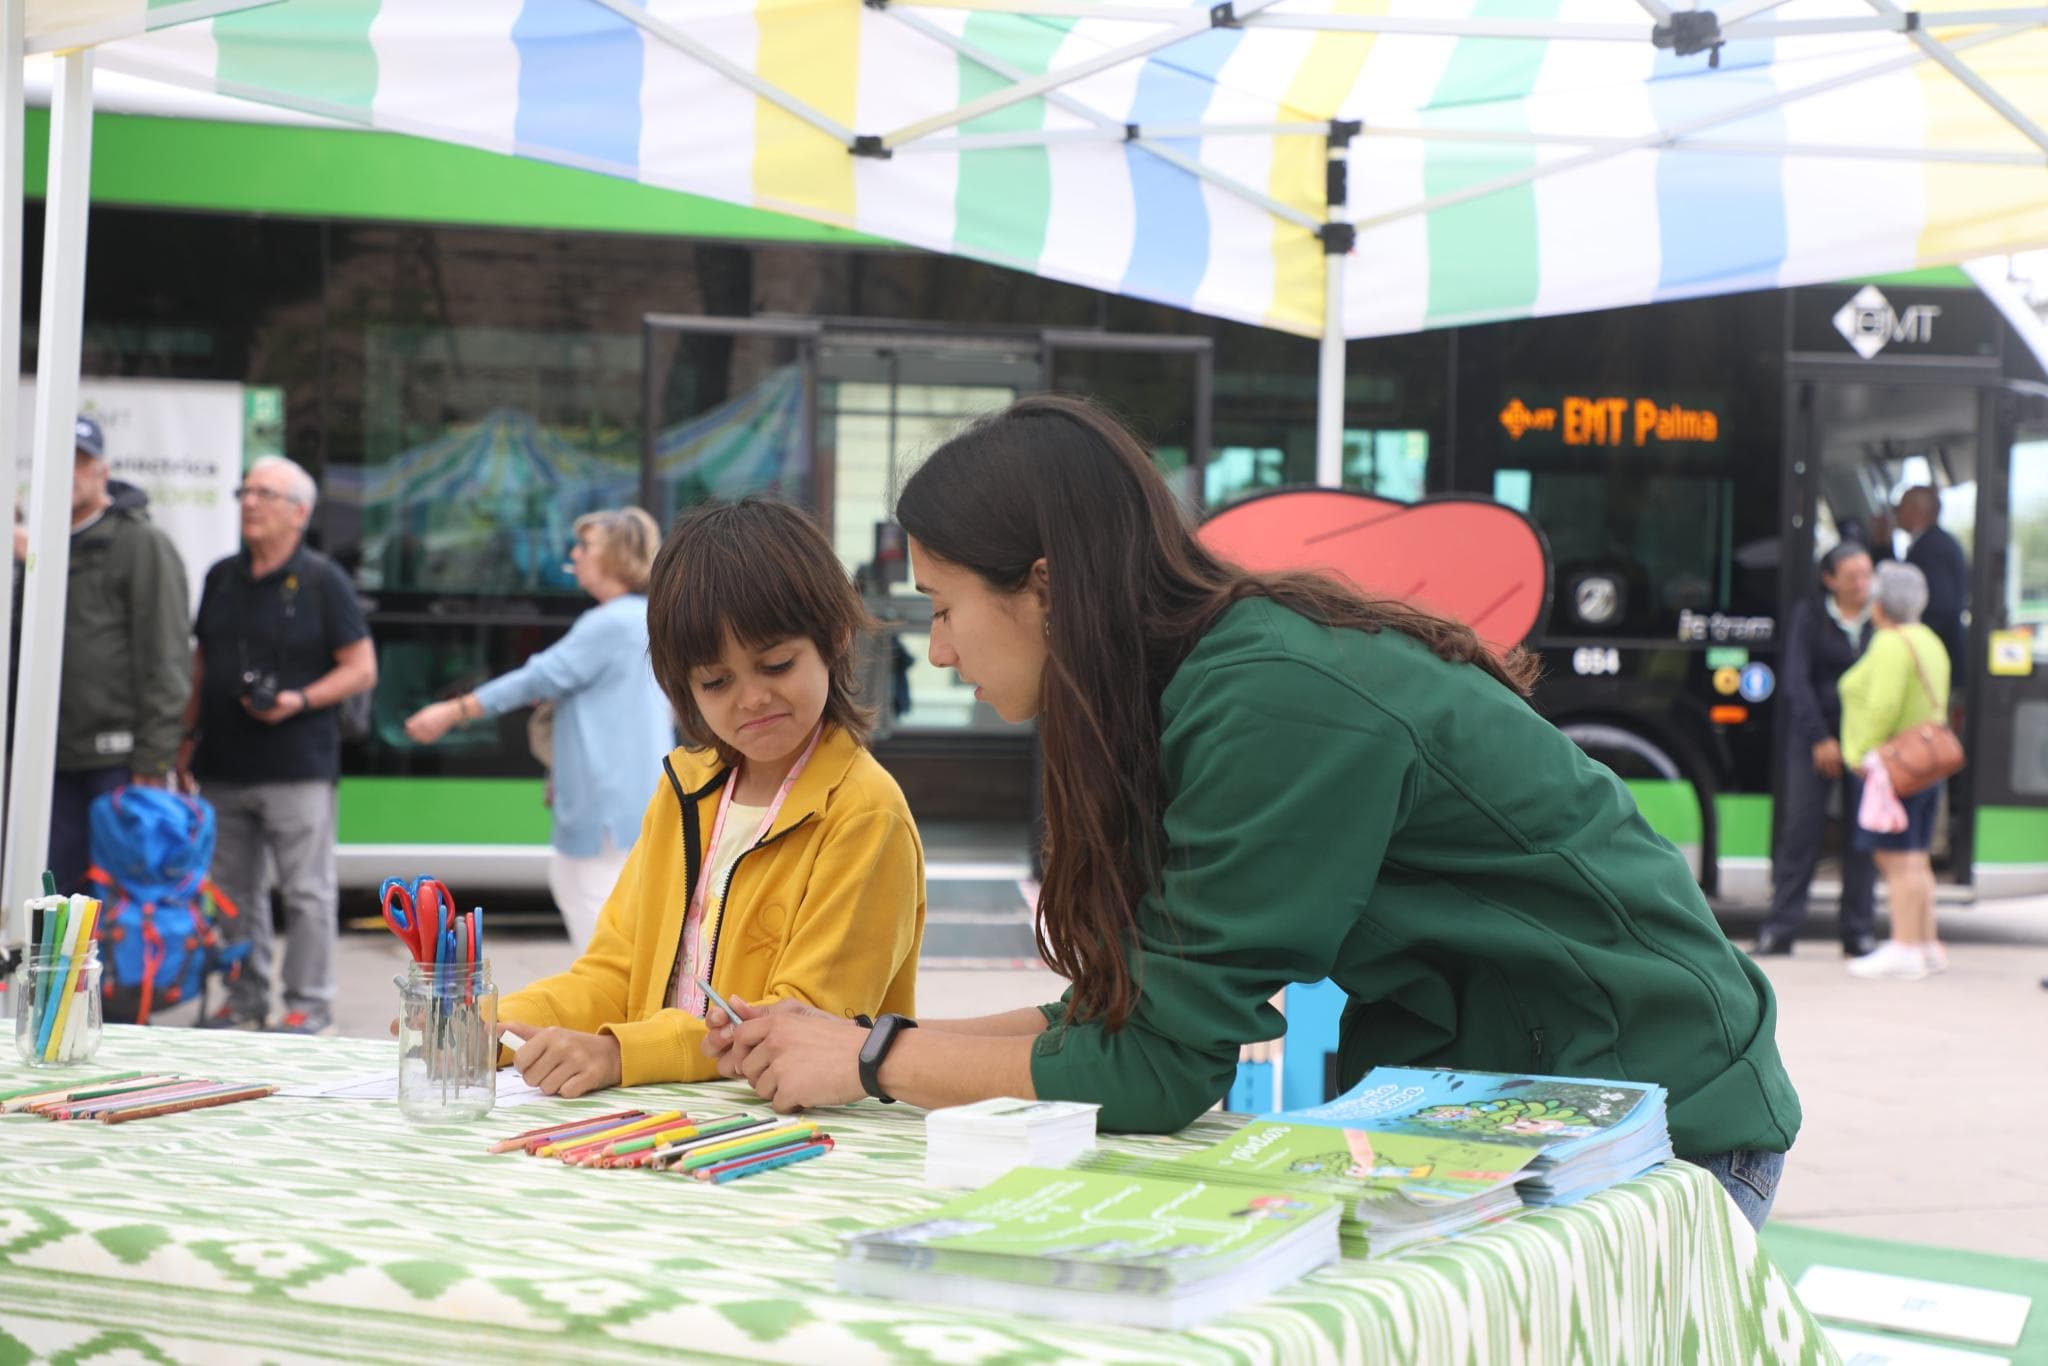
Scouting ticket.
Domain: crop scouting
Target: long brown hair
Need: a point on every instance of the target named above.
(759, 570)
(1054, 477)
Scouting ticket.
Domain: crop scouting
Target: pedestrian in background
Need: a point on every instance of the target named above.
(127, 667)
(1828, 632)
(1901, 681)
(612, 722)
(282, 641)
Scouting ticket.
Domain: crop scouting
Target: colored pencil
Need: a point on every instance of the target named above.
(45, 1089)
(719, 1152)
(605, 1136)
(706, 1129)
(194, 1103)
(506, 1145)
(668, 1153)
(80, 1109)
(769, 1163)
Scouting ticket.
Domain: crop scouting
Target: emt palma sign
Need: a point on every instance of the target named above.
(1612, 420)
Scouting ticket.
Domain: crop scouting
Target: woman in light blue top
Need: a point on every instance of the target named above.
(612, 723)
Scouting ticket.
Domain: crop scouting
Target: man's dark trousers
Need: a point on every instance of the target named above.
(70, 833)
(1803, 797)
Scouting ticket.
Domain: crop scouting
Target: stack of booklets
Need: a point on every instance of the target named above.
(1098, 1247)
(1396, 1190)
(971, 1145)
(1581, 1134)
(1421, 1155)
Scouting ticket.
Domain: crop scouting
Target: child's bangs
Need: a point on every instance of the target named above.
(744, 591)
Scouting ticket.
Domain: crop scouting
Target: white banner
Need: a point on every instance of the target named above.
(180, 442)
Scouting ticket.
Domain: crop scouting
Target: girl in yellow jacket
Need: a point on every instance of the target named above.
(779, 860)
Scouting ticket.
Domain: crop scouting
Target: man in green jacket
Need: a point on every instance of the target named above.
(127, 666)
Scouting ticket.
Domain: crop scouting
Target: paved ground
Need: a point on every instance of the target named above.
(1925, 1109)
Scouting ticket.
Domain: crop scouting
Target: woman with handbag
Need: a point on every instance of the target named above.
(1895, 738)
(610, 721)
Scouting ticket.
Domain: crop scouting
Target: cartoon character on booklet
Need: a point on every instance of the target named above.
(1269, 1207)
(1522, 1115)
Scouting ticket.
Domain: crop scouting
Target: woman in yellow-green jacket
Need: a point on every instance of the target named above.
(1901, 681)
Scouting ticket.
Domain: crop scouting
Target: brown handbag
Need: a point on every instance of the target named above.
(1921, 755)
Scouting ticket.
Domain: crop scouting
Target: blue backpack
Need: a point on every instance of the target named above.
(160, 916)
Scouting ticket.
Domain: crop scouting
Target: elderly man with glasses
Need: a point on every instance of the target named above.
(281, 642)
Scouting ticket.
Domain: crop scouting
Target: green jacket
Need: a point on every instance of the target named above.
(1347, 805)
(127, 643)
(1882, 693)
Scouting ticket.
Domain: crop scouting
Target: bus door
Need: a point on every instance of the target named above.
(2006, 716)
(1858, 444)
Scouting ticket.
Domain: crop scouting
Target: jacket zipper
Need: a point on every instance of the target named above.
(718, 925)
(1536, 1046)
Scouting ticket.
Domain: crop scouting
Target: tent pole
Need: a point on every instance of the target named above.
(1330, 377)
(13, 153)
(1338, 238)
(59, 340)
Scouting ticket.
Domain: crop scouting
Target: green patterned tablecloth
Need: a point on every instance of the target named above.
(326, 1230)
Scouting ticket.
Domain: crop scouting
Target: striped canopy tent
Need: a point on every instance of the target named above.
(1337, 168)
(740, 446)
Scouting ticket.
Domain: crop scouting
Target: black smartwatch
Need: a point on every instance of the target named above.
(881, 1038)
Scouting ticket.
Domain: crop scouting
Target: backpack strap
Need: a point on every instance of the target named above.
(153, 953)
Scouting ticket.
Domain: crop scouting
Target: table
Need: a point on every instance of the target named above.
(333, 1230)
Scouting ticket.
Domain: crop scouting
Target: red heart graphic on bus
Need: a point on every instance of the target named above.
(1479, 562)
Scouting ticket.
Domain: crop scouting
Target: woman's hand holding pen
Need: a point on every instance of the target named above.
(565, 1062)
(795, 1056)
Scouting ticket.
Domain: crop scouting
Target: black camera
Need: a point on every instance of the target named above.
(260, 687)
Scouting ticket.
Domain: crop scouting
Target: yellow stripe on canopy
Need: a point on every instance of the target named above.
(812, 46)
(1324, 78)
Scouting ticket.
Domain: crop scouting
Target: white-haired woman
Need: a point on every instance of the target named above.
(1901, 681)
(612, 723)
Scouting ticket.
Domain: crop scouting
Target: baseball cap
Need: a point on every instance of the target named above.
(86, 437)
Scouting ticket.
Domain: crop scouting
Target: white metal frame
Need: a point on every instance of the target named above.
(59, 338)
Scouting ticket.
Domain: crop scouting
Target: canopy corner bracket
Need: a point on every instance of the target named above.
(1687, 33)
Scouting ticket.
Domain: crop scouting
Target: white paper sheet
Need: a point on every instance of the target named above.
(1868, 1349)
(512, 1089)
(1936, 1309)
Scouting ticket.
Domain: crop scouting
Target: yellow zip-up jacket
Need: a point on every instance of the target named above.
(827, 908)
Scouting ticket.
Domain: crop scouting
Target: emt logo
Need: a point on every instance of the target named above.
(1869, 323)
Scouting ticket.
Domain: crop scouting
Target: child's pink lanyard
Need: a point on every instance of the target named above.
(700, 899)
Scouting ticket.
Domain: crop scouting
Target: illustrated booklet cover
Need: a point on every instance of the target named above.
(1582, 1134)
(1098, 1246)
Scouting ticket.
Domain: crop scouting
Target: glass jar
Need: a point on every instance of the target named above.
(57, 1018)
(447, 1042)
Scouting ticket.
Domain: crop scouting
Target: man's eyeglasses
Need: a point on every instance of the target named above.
(267, 495)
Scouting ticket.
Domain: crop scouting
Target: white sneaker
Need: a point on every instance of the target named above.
(1890, 959)
(1934, 957)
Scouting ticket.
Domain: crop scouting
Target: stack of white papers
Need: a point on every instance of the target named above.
(1936, 1309)
(972, 1145)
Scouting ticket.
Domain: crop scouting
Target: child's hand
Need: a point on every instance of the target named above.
(565, 1062)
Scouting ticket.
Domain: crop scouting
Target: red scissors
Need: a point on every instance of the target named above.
(419, 914)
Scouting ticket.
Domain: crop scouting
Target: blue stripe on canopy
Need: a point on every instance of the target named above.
(1721, 218)
(1170, 238)
(580, 70)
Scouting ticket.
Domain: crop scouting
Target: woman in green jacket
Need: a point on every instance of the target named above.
(1901, 681)
(1252, 780)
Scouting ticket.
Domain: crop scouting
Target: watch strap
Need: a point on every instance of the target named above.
(881, 1038)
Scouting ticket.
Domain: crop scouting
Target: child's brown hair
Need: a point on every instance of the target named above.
(759, 570)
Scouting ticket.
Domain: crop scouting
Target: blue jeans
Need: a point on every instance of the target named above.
(1749, 1176)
